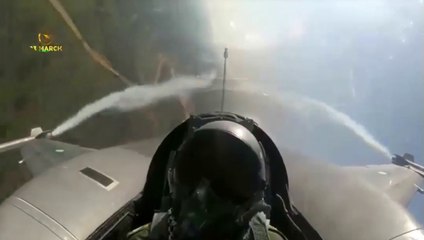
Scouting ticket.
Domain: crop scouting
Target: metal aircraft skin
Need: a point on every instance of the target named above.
(89, 194)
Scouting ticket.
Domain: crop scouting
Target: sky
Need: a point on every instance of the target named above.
(365, 58)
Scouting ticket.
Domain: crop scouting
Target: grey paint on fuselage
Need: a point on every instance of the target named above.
(63, 197)
(341, 203)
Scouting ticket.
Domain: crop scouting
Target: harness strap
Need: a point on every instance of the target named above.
(141, 233)
(258, 227)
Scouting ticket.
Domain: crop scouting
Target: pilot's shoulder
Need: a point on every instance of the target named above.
(275, 234)
(140, 233)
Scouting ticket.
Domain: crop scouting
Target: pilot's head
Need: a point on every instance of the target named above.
(218, 181)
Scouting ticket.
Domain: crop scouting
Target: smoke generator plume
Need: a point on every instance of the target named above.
(305, 103)
(136, 97)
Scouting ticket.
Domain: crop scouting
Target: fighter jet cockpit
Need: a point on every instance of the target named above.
(242, 168)
(211, 119)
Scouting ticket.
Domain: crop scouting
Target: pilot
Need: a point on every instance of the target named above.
(216, 184)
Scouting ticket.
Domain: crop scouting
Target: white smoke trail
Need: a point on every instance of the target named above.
(306, 103)
(136, 97)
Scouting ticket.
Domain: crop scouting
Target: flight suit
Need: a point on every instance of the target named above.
(257, 232)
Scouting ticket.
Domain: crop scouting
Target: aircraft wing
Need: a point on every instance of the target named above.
(398, 182)
(345, 203)
(146, 148)
(72, 199)
(41, 154)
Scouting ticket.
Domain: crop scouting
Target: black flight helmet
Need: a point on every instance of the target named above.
(228, 155)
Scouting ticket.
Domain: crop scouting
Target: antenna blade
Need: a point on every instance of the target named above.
(224, 79)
